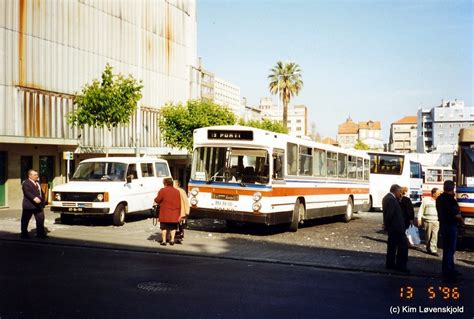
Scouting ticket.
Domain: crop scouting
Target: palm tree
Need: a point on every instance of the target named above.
(285, 80)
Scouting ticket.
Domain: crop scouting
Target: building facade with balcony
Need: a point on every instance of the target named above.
(438, 127)
(50, 50)
(403, 135)
(369, 133)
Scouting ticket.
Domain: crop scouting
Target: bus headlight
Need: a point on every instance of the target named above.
(257, 196)
(194, 201)
(194, 191)
(100, 197)
(57, 196)
(256, 206)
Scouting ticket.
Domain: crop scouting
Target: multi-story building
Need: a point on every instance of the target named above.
(298, 120)
(46, 57)
(438, 127)
(367, 132)
(297, 116)
(347, 133)
(228, 94)
(403, 135)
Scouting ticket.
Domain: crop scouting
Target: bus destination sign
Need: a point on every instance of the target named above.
(230, 135)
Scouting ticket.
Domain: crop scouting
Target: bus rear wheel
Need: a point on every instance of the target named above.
(298, 212)
(349, 210)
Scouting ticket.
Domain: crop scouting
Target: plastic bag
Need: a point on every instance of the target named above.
(413, 235)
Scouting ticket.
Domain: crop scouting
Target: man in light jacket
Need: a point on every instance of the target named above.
(428, 218)
(185, 208)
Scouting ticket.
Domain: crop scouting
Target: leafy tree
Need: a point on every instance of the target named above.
(265, 124)
(178, 122)
(108, 102)
(359, 145)
(285, 80)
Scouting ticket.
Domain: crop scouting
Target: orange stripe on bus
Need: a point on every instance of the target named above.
(279, 191)
(465, 209)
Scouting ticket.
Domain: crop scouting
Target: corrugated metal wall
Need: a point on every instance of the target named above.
(50, 49)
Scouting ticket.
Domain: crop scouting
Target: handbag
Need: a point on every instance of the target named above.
(413, 235)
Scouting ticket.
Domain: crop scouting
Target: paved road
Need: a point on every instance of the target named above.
(43, 280)
(359, 245)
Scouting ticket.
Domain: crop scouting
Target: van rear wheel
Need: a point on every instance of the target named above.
(118, 218)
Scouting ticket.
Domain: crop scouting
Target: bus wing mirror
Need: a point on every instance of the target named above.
(129, 179)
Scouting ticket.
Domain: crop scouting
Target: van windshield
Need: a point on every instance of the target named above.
(100, 171)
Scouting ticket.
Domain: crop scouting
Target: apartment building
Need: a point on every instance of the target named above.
(403, 135)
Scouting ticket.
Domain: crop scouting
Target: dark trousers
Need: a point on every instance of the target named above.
(450, 234)
(180, 231)
(397, 250)
(39, 217)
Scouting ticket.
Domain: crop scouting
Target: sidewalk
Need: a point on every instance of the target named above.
(328, 246)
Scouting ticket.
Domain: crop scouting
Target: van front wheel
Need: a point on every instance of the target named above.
(118, 218)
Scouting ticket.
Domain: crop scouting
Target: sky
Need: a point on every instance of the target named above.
(370, 60)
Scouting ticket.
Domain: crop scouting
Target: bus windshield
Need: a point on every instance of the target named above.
(467, 165)
(100, 171)
(230, 165)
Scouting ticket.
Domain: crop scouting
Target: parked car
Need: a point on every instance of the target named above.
(112, 186)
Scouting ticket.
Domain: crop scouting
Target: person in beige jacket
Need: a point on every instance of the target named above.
(185, 208)
(428, 218)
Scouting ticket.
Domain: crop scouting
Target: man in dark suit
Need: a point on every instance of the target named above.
(33, 204)
(397, 245)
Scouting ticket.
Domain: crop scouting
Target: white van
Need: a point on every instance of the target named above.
(110, 186)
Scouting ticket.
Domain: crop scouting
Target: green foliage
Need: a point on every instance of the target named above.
(106, 103)
(178, 122)
(359, 145)
(285, 80)
(265, 124)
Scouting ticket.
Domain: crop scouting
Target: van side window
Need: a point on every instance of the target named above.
(161, 170)
(132, 170)
(147, 170)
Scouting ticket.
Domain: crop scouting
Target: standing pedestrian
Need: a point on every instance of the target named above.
(407, 208)
(170, 208)
(184, 212)
(397, 244)
(33, 204)
(428, 219)
(449, 216)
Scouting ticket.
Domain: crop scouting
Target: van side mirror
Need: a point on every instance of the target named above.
(423, 176)
(129, 179)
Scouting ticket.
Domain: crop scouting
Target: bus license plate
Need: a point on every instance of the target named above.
(469, 221)
(225, 205)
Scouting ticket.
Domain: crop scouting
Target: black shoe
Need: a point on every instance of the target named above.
(179, 241)
(163, 243)
(25, 236)
(171, 243)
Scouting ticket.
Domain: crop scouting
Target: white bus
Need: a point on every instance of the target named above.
(387, 169)
(251, 175)
(434, 176)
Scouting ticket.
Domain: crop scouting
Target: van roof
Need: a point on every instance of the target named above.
(125, 159)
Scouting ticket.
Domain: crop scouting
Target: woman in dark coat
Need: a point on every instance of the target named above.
(170, 209)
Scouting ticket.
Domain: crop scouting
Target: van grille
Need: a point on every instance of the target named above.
(78, 197)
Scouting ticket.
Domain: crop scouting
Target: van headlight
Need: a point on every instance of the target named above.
(57, 196)
(194, 191)
(257, 196)
(100, 197)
